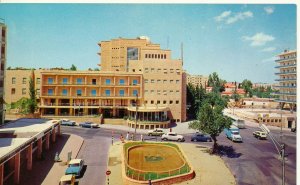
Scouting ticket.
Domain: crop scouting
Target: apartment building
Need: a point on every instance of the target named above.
(197, 80)
(287, 78)
(164, 79)
(3, 39)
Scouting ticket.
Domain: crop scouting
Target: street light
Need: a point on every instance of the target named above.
(279, 147)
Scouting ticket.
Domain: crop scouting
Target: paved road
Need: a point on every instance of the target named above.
(252, 162)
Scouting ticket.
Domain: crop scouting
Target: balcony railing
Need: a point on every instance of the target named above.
(76, 105)
(282, 73)
(283, 66)
(283, 59)
(95, 84)
(286, 79)
(92, 96)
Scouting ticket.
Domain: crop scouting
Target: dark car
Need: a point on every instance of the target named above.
(88, 124)
(201, 137)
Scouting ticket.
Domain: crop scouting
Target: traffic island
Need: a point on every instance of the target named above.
(160, 163)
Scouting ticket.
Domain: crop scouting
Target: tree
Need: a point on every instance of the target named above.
(247, 86)
(96, 69)
(235, 96)
(32, 103)
(210, 118)
(195, 97)
(73, 68)
(216, 83)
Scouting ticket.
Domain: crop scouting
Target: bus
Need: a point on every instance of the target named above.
(240, 123)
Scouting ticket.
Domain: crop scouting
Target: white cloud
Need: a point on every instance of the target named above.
(222, 16)
(268, 49)
(272, 59)
(259, 39)
(239, 16)
(269, 9)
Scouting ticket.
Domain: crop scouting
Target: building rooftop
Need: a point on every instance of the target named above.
(16, 135)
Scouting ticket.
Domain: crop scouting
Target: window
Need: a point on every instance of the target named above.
(107, 81)
(146, 70)
(146, 81)
(64, 92)
(164, 102)
(152, 70)
(38, 80)
(24, 80)
(79, 92)
(38, 92)
(152, 91)
(171, 70)
(177, 81)
(122, 92)
(79, 80)
(145, 102)
(177, 101)
(65, 80)
(171, 102)
(107, 92)
(122, 82)
(132, 53)
(171, 81)
(158, 92)
(158, 70)
(152, 80)
(50, 81)
(93, 92)
(50, 91)
(165, 92)
(133, 70)
(134, 82)
(152, 102)
(13, 80)
(146, 91)
(171, 91)
(165, 71)
(13, 91)
(135, 92)
(94, 81)
(158, 102)
(146, 55)
(165, 81)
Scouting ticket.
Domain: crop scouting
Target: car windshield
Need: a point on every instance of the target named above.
(235, 133)
(73, 165)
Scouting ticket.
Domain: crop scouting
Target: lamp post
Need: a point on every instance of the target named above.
(136, 109)
(280, 149)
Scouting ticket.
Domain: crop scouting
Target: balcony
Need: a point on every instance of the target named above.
(285, 59)
(285, 93)
(286, 79)
(286, 66)
(284, 73)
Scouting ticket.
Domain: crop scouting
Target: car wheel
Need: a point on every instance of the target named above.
(164, 139)
(179, 140)
(150, 134)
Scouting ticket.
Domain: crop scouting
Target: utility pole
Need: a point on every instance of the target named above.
(136, 109)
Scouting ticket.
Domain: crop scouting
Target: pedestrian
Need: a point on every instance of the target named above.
(132, 137)
(142, 139)
(127, 136)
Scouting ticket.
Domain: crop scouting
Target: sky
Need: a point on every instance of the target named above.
(238, 41)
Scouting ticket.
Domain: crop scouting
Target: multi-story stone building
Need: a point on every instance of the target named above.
(3, 37)
(197, 80)
(287, 78)
(148, 75)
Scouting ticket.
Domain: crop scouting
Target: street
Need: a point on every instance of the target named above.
(251, 162)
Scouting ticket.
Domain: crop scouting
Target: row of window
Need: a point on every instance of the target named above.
(162, 102)
(24, 91)
(94, 81)
(161, 81)
(164, 92)
(158, 56)
(24, 80)
(159, 70)
(93, 92)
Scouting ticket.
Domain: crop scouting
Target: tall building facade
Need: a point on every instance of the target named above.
(3, 44)
(287, 78)
(164, 79)
(197, 80)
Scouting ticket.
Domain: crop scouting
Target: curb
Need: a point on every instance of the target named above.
(80, 147)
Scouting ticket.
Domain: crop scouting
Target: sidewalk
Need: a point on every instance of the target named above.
(209, 169)
(73, 144)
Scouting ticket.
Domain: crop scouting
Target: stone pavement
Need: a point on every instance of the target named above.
(73, 144)
(209, 169)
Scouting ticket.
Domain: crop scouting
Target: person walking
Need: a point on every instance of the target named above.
(142, 137)
(127, 136)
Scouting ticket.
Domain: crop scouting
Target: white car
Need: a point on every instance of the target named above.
(68, 122)
(172, 136)
(156, 132)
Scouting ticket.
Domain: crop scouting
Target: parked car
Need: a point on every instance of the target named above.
(172, 136)
(260, 134)
(67, 180)
(156, 132)
(75, 167)
(233, 133)
(201, 137)
(88, 124)
(68, 122)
